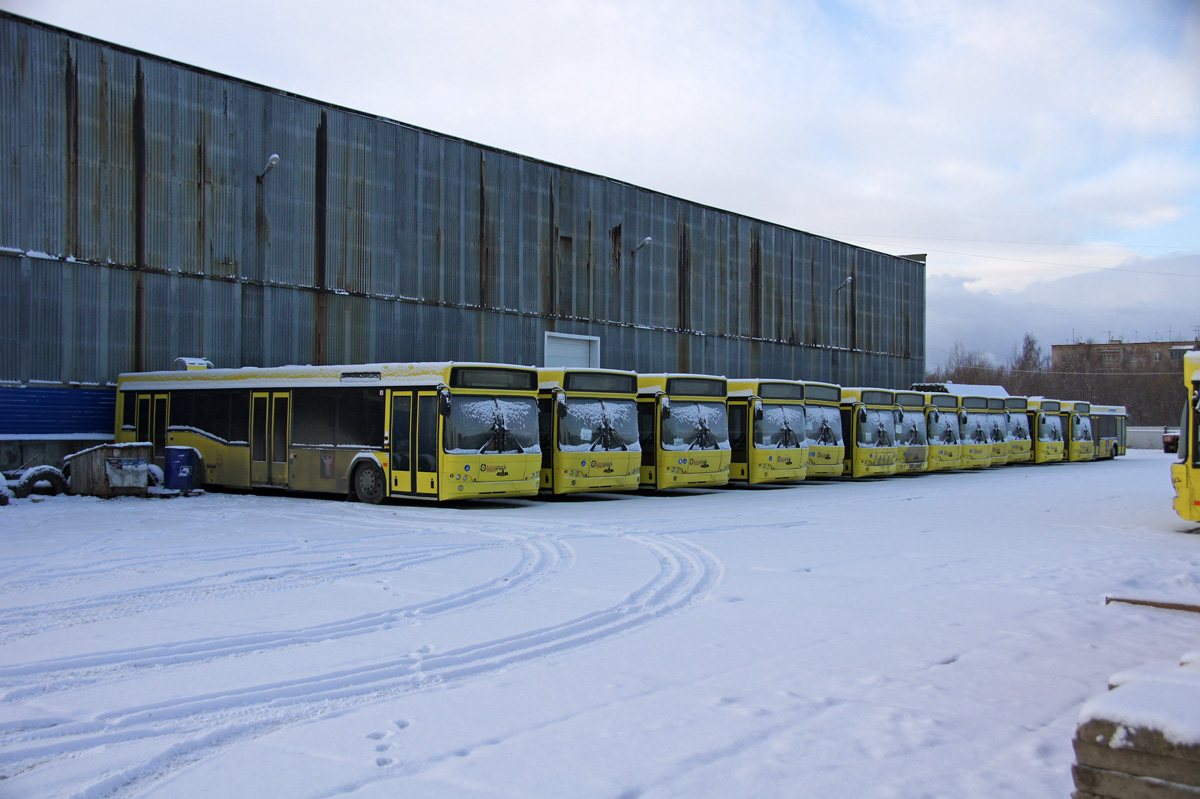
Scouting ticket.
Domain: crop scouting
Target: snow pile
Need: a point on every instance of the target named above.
(1163, 698)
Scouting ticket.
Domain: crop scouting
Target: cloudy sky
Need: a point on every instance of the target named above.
(1044, 153)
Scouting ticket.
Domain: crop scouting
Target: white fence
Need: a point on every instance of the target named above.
(1146, 437)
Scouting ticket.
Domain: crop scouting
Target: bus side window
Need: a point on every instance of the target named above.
(129, 411)
(545, 430)
(427, 418)
(143, 418)
(738, 427)
(401, 419)
(646, 431)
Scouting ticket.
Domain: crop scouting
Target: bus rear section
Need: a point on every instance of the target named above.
(1020, 442)
(768, 436)
(424, 430)
(997, 431)
(1077, 426)
(869, 419)
(589, 430)
(1185, 472)
(976, 433)
(1108, 430)
(823, 420)
(683, 424)
(945, 433)
(912, 433)
(1045, 425)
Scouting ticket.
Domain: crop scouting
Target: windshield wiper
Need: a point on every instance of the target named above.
(606, 433)
(704, 436)
(500, 433)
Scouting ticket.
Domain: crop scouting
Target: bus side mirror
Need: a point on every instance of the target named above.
(758, 410)
(862, 415)
(1196, 399)
(560, 404)
(962, 417)
(444, 403)
(1041, 420)
(936, 417)
(665, 404)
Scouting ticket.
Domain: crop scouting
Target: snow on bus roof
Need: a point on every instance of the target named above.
(973, 389)
(426, 373)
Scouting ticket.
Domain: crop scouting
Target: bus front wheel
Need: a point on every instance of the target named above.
(368, 483)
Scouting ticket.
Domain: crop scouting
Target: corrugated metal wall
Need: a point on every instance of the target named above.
(372, 240)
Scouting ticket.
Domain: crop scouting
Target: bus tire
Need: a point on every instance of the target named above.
(368, 483)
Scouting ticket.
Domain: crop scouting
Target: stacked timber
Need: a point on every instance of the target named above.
(1141, 739)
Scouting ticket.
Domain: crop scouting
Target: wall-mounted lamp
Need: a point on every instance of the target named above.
(272, 162)
(643, 243)
(849, 279)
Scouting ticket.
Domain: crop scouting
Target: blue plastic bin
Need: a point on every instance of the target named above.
(180, 474)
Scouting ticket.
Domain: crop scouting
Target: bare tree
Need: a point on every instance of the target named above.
(1150, 396)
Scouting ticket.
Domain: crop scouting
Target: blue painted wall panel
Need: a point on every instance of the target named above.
(50, 413)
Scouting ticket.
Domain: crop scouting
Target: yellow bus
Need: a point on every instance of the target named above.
(589, 430)
(997, 431)
(822, 413)
(912, 433)
(1185, 472)
(768, 436)
(1108, 430)
(683, 424)
(1020, 442)
(433, 431)
(869, 419)
(1077, 422)
(945, 432)
(976, 432)
(1045, 426)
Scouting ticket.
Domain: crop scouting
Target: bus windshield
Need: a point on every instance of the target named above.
(879, 430)
(695, 425)
(1081, 428)
(977, 428)
(1051, 428)
(910, 428)
(998, 429)
(945, 428)
(781, 427)
(1018, 426)
(824, 426)
(597, 424)
(491, 424)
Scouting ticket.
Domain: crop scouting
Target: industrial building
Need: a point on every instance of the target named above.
(143, 218)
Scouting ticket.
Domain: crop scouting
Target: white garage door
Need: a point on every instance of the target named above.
(563, 349)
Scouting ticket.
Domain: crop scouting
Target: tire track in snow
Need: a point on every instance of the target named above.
(29, 619)
(542, 558)
(195, 727)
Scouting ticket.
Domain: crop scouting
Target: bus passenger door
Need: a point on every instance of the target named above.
(270, 414)
(426, 450)
(401, 442)
(152, 421)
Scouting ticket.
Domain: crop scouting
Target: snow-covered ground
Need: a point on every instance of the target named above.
(925, 636)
